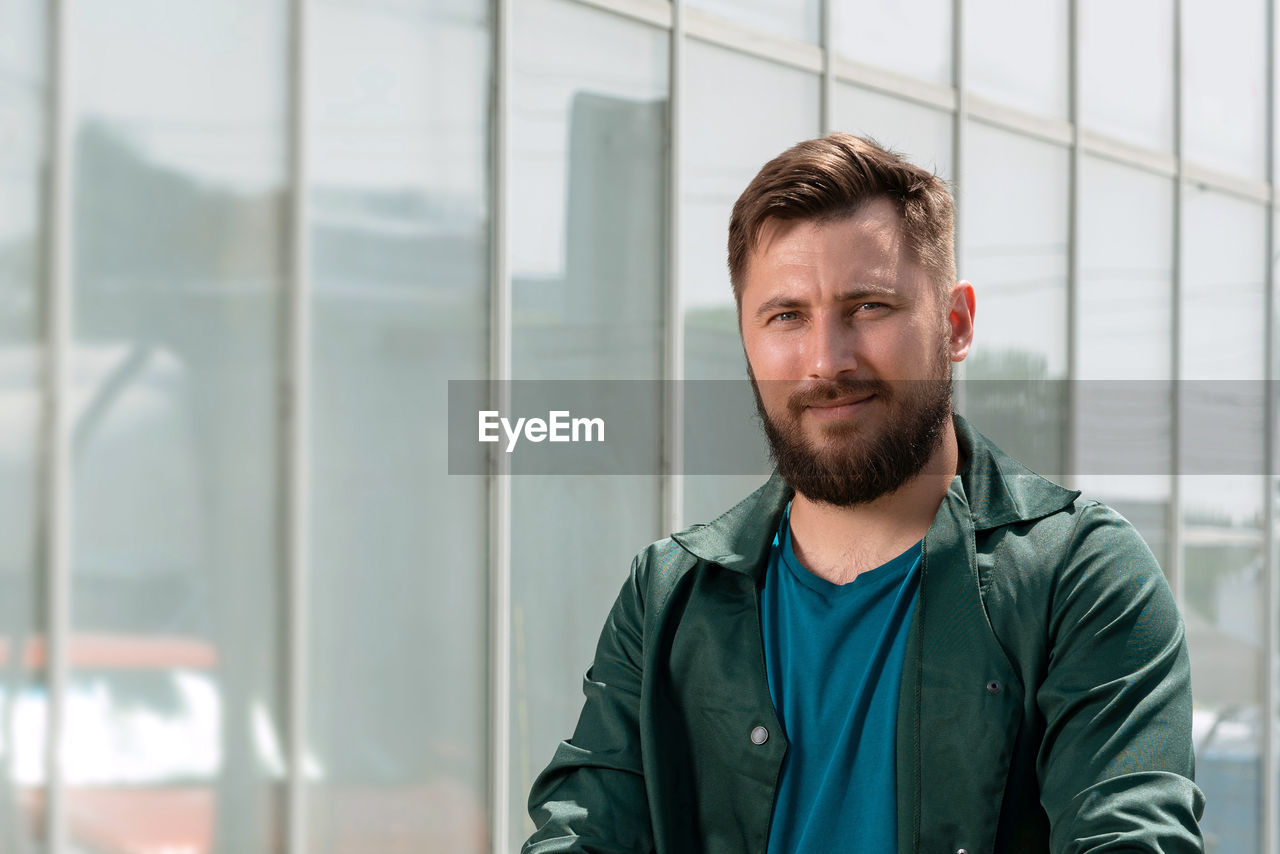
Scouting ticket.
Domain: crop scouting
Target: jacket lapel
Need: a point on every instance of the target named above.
(960, 703)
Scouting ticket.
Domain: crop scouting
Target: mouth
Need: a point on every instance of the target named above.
(836, 410)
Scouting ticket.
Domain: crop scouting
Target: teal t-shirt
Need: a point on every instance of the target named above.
(834, 658)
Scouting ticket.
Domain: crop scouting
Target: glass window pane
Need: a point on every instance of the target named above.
(1124, 398)
(1016, 53)
(23, 94)
(726, 147)
(587, 192)
(1224, 616)
(399, 234)
(1013, 230)
(589, 168)
(909, 38)
(174, 702)
(1222, 361)
(1127, 70)
(1222, 349)
(920, 134)
(795, 19)
(1225, 65)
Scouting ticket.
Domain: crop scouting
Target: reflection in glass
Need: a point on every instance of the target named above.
(1127, 71)
(794, 19)
(399, 233)
(1013, 225)
(920, 134)
(1222, 351)
(909, 38)
(178, 223)
(728, 147)
(1223, 612)
(589, 131)
(1225, 67)
(22, 240)
(1016, 52)
(1222, 359)
(1123, 400)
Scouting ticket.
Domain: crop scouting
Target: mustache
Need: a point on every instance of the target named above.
(825, 391)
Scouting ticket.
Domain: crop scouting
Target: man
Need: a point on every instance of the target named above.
(904, 641)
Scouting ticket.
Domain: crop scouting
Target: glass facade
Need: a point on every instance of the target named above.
(398, 227)
(443, 190)
(23, 232)
(1123, 407)
(588, 245)
(1225, 579)
(1013, 246)
(1017, 52)
(177, 245)
(1126, 53)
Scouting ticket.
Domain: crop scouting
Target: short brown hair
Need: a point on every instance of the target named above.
(831, 178)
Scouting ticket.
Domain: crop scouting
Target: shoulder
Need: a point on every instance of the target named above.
(1086, 535)
(1106, 562)
(657, 572)
(660, 564)
(1084, 556)
(1085, 542)
(737, 541)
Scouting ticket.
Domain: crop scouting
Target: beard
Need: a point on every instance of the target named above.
(857, 463)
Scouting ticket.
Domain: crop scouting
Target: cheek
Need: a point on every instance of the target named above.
(772, 359)
(905, 352)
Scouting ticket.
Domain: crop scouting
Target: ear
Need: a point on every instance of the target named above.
(960, 320)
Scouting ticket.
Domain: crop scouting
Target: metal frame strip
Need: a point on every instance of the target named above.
(658, 13)
(1161, 163)
(1056, 131)
(56, 460)
(1072, 421)
(922, 92)
(826, 106)
(673, 362)
(1270, 760)
(1175, 537)
(745, 39)
(1245, 188)
(297, 435)
(958, 139)
(499, 479)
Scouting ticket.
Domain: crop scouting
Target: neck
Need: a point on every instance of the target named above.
(839, 543)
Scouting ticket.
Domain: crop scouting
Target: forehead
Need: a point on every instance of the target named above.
(867, 244)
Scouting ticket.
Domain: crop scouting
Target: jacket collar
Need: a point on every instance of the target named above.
(999, 491)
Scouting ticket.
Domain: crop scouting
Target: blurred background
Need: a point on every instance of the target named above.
(245, 244)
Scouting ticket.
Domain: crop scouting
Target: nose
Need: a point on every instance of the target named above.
(832, 347)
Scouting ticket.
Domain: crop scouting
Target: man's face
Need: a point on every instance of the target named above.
(849, 347)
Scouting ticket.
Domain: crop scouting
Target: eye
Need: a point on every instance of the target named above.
(785, 317)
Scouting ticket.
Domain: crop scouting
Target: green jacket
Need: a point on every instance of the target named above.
(1045, 702)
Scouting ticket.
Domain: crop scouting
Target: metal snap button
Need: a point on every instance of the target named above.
(759, 735)
(993, 687)
(961, 850)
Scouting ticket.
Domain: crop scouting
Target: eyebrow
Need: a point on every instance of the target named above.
(861, 292)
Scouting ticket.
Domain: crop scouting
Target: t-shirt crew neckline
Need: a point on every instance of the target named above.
(888, 573)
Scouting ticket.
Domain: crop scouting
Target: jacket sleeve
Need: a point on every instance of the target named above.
(1116, 762)
(591, 798)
